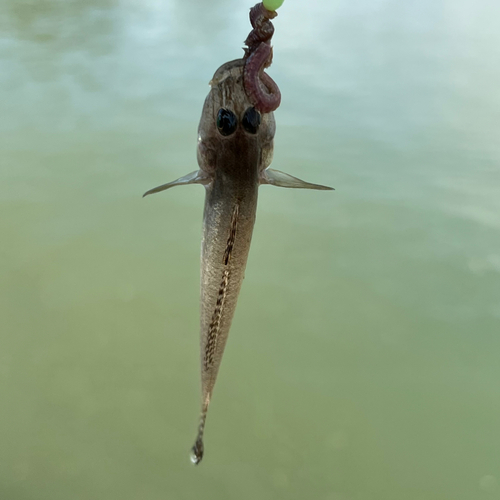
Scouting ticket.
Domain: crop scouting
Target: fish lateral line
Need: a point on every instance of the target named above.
(232, 235)
(213, 331)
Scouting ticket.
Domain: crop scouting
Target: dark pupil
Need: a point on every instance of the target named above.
(251, 120)
(226, 121)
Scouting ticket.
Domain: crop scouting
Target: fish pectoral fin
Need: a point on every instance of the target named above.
(277, 178)
(196, 177)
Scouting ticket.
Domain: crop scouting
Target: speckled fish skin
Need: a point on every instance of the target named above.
(234, 165)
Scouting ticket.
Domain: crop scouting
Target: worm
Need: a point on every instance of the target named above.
(261, 89)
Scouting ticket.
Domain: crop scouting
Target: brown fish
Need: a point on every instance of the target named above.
(235, 149)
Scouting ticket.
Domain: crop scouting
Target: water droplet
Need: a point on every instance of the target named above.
(194, 458)
(197, 452)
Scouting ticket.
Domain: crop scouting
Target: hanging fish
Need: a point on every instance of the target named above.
(235, 149)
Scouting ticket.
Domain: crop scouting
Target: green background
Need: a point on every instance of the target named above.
(363, 362)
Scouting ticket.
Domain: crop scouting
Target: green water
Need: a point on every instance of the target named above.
(363, 362)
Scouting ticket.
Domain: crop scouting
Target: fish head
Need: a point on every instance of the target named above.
(230, 126)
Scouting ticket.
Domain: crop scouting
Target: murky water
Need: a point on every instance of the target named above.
(363, 362)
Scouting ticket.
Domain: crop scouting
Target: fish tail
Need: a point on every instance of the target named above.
(198, 448)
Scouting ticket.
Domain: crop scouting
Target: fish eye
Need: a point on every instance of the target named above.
(226, 121)
(251, 120)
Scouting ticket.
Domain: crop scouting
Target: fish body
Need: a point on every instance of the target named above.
(235, 149)
(234, 162)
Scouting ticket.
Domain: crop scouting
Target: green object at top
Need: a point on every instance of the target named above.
(272, 4)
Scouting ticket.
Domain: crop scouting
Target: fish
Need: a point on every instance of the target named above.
(234, 153)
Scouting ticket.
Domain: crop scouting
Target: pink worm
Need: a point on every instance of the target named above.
(261, 89)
